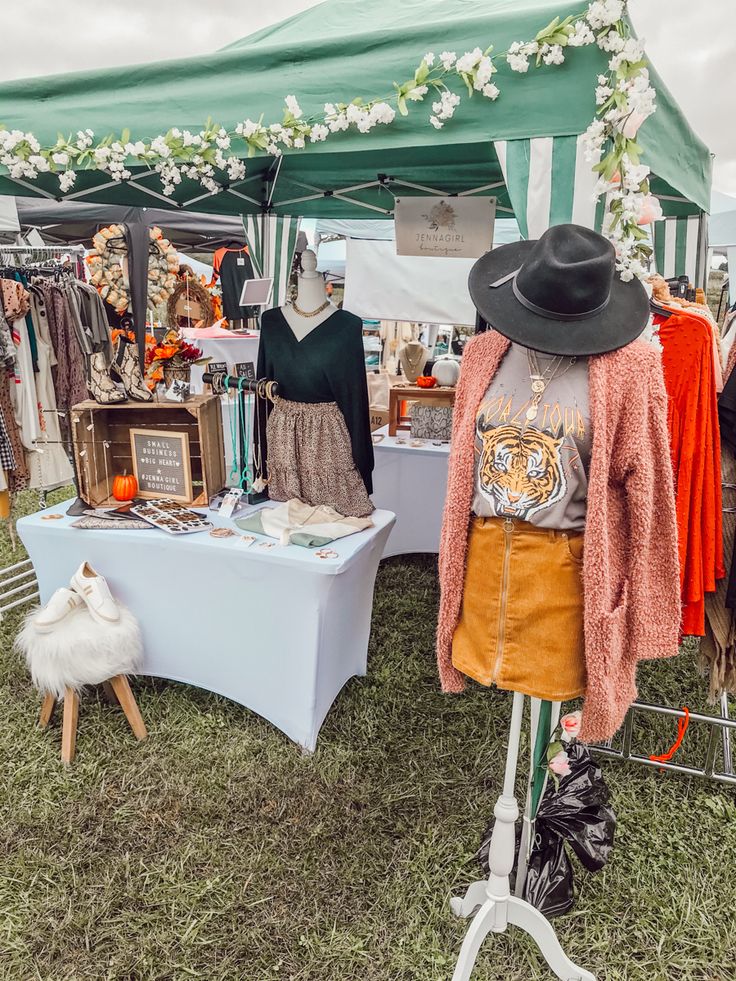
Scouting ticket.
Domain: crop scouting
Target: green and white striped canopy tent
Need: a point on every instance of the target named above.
(271, 243)
(523, 149)
(681, 248)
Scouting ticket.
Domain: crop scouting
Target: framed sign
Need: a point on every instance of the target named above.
(451, 228)
(161, 464)
(245, 369)
(256, 292)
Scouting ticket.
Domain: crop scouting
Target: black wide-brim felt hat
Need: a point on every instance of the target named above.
(559, 294)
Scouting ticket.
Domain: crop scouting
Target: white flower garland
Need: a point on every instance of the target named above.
(624, 96)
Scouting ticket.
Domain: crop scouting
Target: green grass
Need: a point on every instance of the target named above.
(217, 851)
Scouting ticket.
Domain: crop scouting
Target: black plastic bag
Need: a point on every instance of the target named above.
(549, 877)
(576, 811)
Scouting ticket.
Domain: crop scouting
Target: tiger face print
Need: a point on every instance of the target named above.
(521, 471)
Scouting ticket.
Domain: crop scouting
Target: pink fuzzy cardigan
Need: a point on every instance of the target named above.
(631, 573)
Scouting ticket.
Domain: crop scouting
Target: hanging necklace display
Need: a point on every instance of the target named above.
(309, 313)
(414, 363)
(540, 380)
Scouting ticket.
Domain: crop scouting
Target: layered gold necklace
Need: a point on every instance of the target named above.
(541, 379)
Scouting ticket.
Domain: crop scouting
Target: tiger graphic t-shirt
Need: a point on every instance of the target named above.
(535, 471)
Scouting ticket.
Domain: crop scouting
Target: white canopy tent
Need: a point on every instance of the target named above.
(722, 233)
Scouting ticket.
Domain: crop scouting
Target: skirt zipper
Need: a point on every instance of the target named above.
(508, 528)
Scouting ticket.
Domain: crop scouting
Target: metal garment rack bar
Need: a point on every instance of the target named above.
(256, 385)
(35, 249)
(720, 722)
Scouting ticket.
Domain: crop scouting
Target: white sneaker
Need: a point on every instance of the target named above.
(96, 594)
(62, 603)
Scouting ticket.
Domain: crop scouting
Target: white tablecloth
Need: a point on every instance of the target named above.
(411, 482)
(279, 631)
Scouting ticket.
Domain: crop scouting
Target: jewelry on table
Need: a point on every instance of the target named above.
(417, 442)
(326, 553)
(377, 438)
(309, 313)
(247, 540)
(267, 545)
(222, 533)
(540, 380)
(51, 517)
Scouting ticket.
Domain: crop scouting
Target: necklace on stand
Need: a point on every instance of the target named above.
(309, 313)
(541, 379)
(414, 363)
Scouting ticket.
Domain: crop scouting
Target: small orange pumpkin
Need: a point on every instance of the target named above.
(426, 381)
(124, 487)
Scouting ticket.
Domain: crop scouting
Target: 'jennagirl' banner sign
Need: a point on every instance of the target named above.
(460, 228)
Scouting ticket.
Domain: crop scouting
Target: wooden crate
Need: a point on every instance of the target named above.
(102, 449)
(401, 398)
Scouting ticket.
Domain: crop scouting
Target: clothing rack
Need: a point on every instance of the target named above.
(46, 251)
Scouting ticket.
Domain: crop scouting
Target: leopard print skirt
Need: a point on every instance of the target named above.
(310, 458)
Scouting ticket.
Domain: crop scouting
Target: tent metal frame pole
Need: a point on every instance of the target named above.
(361, 204)
(243, 197)
(101, 187)
(37, 191)
(478, 190)
(435, 192)
(154, 194)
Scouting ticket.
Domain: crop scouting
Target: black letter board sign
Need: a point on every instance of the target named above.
(161, 464)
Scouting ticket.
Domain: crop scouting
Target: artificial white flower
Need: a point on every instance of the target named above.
(483, 73)
(602, 93)
(437, 123)
(62, 159)
(553, 55)
(581, 35)
(604, 13)
(293, 106)
(319, 133)
(611, 42)
(429, 59)
(417, 93)
(469, 60)
(382, 113)
(491, 91)
(223, 142)
(330, 109)
(340, 122)
(67, 180)
(299, 143)
(448, 59)
(39, 162)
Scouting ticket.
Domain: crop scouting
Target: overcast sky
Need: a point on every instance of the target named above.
(691, 44)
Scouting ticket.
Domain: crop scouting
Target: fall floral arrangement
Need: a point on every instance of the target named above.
(172, 357)
(108, 271)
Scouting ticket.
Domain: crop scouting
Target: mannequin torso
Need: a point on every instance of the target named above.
(311, 295)
(413, 357)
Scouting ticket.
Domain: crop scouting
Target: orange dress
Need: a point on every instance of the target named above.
(692, 419)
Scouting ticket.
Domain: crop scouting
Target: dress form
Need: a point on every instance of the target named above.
(311, 294)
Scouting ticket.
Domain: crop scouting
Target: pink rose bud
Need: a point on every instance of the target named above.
(560, 764)
(651, 210)
(632, 124)
(571, 724)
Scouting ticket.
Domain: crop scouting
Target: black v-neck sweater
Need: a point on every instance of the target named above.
(328, 365)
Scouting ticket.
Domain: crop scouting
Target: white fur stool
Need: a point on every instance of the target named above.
(80, 651)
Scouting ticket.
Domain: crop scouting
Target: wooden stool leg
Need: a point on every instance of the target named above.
(47, 710)
(129, 705)
(69, 729)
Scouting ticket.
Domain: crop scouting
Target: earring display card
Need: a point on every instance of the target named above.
(168, 515)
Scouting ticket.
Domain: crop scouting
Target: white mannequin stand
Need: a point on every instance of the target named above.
(311, 294)
(496, 907)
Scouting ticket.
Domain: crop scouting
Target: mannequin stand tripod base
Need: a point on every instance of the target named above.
(491, 900)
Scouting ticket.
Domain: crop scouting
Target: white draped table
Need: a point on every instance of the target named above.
(279, 630)
(411, 482)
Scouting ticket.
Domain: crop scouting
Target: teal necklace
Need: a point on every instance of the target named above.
(241, 432)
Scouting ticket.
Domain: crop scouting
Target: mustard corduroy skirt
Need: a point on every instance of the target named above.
(521, 622)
